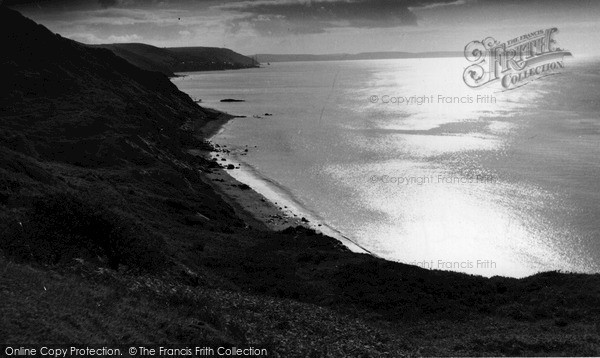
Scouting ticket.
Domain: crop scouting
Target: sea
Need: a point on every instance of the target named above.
(401, 159)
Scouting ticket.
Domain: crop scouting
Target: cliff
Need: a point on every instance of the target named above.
(180, 59)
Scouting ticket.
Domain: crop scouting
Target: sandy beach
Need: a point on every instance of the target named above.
(256, 210)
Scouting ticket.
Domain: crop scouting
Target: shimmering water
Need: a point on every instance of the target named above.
(507, 185)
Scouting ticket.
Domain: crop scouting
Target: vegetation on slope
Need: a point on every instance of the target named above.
(180, 59)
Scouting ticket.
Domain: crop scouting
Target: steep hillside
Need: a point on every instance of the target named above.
(145, 56)
(208, 58)
(180, 59)
(84, 105)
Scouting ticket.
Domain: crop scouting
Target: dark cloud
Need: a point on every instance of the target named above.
(66, 4)
(107, 3)
(35, 2)
(278, 17)
(58, 5)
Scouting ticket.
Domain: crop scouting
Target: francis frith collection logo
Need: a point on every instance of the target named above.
(513, 63)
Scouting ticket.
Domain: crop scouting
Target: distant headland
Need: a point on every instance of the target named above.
(264, 58)
(180, 59)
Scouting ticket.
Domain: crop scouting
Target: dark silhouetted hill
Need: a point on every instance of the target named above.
(180, 59)
(82, 105)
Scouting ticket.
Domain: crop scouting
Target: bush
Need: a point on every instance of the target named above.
(64, 226)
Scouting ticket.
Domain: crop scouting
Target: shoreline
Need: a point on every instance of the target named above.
(255, 198)
(256, 209)
(287, 204)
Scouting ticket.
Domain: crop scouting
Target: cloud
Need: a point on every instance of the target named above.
(315, 16)
(86, 38)
(437, 5)
(124, 38)
(90, 38)
(108, 3)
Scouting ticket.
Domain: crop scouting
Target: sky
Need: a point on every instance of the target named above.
(318, 26)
